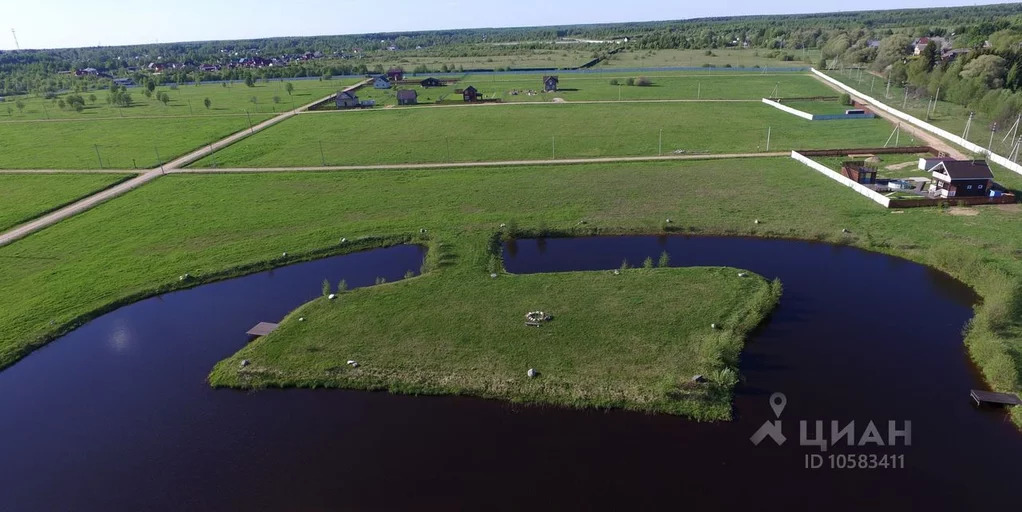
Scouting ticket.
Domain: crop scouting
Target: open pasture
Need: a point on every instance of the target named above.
(528, 132)
(26, 196)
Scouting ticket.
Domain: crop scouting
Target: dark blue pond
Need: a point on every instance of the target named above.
(117, 415)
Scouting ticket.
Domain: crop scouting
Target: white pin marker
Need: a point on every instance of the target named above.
(777, 403)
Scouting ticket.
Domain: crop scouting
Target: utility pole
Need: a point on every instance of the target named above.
(968, 124)
(322, 158)
(553, 147)
(97, 156)
(158, 159)
(16, 45)
(190, 111)
(872, 83)
(936, 97)
(888, 93)
(660, 143)
(768, 139)
(905, 102)
(993, 129)
(212, 154)
(699, 91)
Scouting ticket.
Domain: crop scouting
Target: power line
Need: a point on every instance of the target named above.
(16, 45)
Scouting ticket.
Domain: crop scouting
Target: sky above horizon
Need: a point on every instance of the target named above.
(72, 23)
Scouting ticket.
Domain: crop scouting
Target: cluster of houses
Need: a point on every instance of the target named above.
(949, 178)
(395, 76)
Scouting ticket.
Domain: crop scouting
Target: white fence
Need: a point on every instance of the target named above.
(792, 111)
(975, 148)
(824, 170)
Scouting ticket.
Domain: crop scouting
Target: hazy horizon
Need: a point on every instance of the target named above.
(117, 22)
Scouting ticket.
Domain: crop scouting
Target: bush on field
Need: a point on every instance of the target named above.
(643, 81)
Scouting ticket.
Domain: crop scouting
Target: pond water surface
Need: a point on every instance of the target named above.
(117, 415)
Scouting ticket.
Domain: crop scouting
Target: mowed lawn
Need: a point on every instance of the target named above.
(26, 196)
(612, 342)
(118, 143)
(185, 100)
(525, 132)
(738, 85)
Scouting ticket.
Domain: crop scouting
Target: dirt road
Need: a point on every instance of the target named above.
(112, 192)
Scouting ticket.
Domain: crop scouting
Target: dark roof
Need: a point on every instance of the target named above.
(385, 78)
(554, 77)
(470, 88)
(405, 94)
(345, 95)
(965, 169)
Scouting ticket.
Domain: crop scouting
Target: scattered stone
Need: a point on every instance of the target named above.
(344, 240)
(668, 221)
(757, 221)
(617, 272)
(843, 230)
(502, 225)
(185, 277)
(532, 373)
(742, 274)
(244, 363)
(423, 231)
(301, 319)
(713, 326)
(332, 296)
(493, 276)
(698, 378)
(283, 255)
(352, 363)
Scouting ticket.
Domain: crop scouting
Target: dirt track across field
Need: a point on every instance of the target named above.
(112, 192)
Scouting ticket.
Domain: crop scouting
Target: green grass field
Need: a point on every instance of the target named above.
(721, 57)
(185, 100)
(26, 196)
(462, 332)
(121, 143)
(598, 87)
(512, 132)
(125, 247)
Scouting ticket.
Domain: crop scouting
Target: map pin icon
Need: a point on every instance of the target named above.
(777, 403)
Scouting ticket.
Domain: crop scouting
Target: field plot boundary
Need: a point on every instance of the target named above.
(826, 171)
(459, 165)
(940, 132)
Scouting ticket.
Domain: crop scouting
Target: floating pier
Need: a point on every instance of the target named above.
(262, 329)
(994, 398)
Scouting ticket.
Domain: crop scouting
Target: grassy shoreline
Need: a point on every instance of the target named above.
(86, 263)
(611, 344)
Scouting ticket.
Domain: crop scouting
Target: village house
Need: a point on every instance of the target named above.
(920, 44)
(550, 83)
(381, 82)
(432, 82)
(470, 94)
(407, 97)
(346, 99)
(859, 172)
(395, 74)
(961, 178)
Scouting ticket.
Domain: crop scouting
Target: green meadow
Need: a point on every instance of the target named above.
(27, 196)
(537, 131)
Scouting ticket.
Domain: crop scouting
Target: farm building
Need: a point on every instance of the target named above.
(432, 82)
(550, 83)
(381, 82)
(961, 178)
(395, 74)
(471, 94)
(859, 172)
(346, 99)
(407, 97)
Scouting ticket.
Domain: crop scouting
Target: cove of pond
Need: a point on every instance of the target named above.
(117, 415)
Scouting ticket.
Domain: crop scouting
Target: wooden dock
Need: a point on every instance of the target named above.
(994, 398)
(262, 329)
